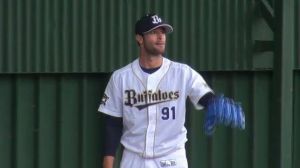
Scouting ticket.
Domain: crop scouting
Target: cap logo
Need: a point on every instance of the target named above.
(156, 19)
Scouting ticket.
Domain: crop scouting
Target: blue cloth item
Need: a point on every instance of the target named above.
(223, 111)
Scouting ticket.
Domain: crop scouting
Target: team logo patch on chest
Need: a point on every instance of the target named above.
(147, 98)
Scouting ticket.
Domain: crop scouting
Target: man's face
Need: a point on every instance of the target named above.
(154, 41)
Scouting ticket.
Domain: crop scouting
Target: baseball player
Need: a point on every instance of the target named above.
(145, 104)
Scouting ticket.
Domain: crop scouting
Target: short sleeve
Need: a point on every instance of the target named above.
(111, 103)
(197, 88)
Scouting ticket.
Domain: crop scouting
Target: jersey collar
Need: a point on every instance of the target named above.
(158, 75)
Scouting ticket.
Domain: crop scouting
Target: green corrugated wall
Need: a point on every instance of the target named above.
(296, 117)
(56, 58)
(297, 27)
(70, 36)
(50, 121)
(93, 35)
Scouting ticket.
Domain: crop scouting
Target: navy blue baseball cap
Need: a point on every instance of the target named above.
(150, 22)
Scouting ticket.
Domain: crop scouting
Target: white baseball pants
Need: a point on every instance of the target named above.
(177, 159)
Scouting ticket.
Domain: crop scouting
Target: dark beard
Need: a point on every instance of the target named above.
(153, 51)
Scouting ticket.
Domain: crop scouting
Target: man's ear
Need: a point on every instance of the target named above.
(139, 39)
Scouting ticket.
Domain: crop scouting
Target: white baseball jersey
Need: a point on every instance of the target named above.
(153, 106)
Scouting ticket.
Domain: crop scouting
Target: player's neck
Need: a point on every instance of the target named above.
(150, 61)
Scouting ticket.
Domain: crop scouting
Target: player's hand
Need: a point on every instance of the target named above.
(108, 161)
(223, 110)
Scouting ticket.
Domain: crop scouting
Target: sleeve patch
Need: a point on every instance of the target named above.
(104, 99)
